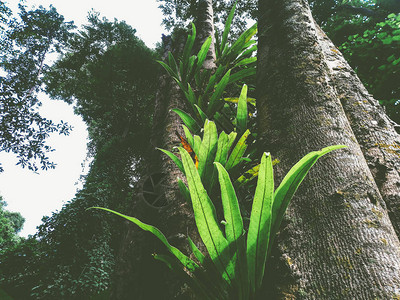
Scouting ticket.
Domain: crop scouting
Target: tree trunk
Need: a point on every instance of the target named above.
(157, 202)
(205, 27)
(138, 275)
(337, 241)
(379, 141)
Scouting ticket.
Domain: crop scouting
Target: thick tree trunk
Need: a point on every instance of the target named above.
(373, 129)
(338, 241)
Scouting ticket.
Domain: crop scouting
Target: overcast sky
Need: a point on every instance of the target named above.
(37, 195)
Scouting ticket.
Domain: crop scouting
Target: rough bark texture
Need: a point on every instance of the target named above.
(373, 129)
(337, 241)
(205, 26)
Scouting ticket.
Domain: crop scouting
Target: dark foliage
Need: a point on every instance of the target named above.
(367, 32)
(10, 224)
(25, 43)
(110, 76)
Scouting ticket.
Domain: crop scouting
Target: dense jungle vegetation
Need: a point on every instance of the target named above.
(111, 78)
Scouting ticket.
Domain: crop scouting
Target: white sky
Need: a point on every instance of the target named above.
(37, 195)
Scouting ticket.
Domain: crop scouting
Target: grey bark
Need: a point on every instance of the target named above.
(375, 132)
(337, 241)
(205, 26)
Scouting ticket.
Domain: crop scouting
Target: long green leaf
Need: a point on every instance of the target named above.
(234, 226)
(172, 62)
(221, 146)
(197, 253)
(238, 151)
(201, 56)
(188, 135)
(241, 116)
(217, 44)
(184, 190)
(207, 152)
(182, 72)
(245, 61)
(191, 68)
(291, 182)
(196, 144)
(260, 223)
(249, 43)
(202, 115)
(186, 261)
(213, 79)
(217, 95)
(189, 46)
(240, 43)
(221, 151)
(227, 27)
(206, 220)
(204, 77)
(187, 120)
(181, 85)
(224, 155)
(175, 159)
(249, 52)
(242, 74)
(190, 96)
(168, 69)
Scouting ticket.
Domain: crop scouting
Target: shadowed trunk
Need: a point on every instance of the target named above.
(337, 241)
(138, 274)
(157, 202)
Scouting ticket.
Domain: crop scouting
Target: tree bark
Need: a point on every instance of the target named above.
(337, 241)
(205, 27)
(375, 132)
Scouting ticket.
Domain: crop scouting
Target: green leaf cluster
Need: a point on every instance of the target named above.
(366, 31)
(235, 256)
(10, 224)
(374, 53)
(205, 89)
